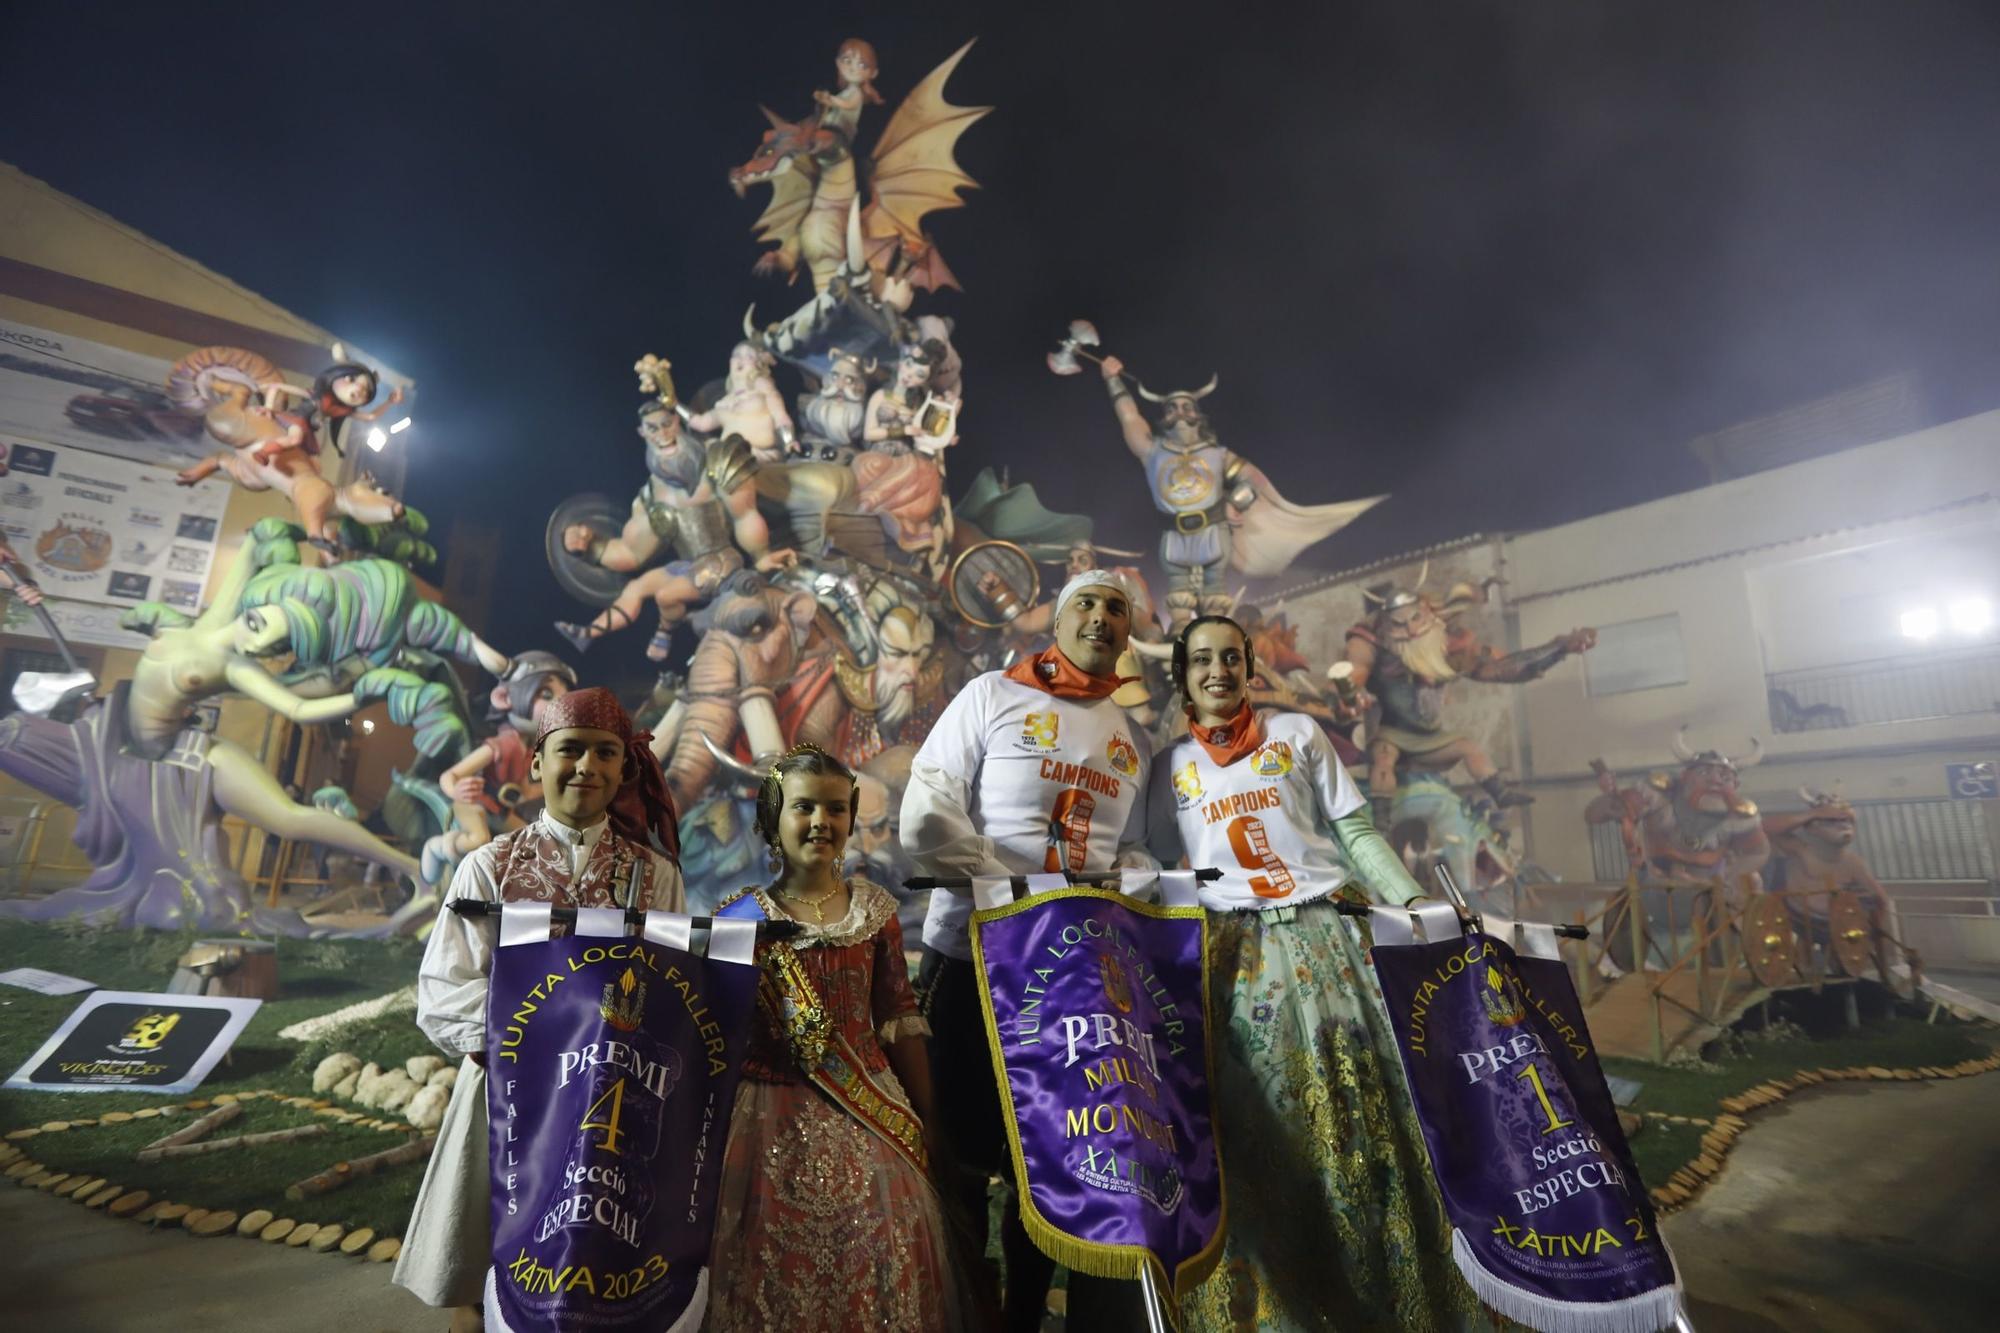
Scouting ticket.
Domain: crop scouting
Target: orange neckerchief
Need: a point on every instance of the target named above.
(1052, 673)
(1231, 741)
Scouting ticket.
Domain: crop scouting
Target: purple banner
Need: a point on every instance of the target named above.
(1551, 1223)
(612, 1065)
(1096, 1008)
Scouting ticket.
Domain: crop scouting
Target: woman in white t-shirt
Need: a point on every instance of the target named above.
(1333, 1218)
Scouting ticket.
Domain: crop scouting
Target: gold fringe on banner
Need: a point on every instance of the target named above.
(1094, 1258)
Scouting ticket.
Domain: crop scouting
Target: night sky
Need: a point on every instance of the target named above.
(1501, 260)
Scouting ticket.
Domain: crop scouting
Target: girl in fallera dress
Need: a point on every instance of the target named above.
(827, 1218)
(1334, 1222)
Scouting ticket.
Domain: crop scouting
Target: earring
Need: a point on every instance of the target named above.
(775, 857)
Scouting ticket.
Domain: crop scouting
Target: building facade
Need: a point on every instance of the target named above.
(1837, 614)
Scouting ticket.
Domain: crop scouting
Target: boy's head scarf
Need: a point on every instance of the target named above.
(643, 810)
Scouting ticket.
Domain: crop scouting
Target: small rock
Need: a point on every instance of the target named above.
(426, 1109)
(421, 1067)
(369, 1081)
(330, 1071)
(393, 1093)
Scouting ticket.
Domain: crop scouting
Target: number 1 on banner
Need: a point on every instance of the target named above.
(1534, 1076)
(615, 1094)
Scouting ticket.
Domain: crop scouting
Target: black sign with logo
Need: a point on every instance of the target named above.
(129, 1039)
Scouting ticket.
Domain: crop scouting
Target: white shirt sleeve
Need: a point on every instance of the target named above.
(458, 961)
(936, 824)
(1333, 787)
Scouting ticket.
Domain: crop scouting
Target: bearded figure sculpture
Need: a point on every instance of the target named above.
(1224, 512)
(1814, 849)
(1405, 657)
(831, 421)
(895, 699)
(760, 681)
(1690, 825)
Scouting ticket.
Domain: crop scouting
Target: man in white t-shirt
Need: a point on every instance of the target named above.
(1030, 770)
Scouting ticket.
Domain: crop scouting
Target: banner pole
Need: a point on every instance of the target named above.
(1157, 1320)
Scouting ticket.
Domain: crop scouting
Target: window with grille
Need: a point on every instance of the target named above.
(1636, 655)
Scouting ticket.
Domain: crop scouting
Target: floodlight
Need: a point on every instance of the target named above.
(1970, 615)
(1920, 623)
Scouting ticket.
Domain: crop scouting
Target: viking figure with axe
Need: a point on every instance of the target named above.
(1225, 514)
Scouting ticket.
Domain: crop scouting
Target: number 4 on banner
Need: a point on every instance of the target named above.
(1534, 1076)
(615, 1094)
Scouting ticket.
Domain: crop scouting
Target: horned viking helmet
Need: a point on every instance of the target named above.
(1687, 754)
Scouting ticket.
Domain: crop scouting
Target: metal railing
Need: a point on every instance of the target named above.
(1888, 689)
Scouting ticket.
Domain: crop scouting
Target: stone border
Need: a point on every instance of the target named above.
(1688, 1180)
(99, 1193)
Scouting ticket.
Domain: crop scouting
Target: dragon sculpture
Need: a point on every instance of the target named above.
(815, 183)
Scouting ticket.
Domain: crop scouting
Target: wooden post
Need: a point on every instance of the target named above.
(1638, 926)
(1582, 966)
(214, 1120)
(1698, 923)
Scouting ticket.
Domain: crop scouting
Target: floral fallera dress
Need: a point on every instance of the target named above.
(1333, 1221)
(822, 1225)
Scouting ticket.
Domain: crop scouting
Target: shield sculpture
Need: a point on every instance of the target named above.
(1551, 1224)
(612, 1063)
(1096, 1012)
(593, 585)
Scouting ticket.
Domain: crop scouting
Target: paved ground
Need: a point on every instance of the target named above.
(80, 1271)
(1847, 1208)
(1853, 1207)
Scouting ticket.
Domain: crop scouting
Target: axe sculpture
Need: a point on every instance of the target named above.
(44, 692)
(1082, 334)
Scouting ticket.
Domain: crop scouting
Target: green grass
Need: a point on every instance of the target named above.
(1661, 1149)
(315, 977)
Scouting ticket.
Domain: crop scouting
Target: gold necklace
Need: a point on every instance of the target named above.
(819, 915)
